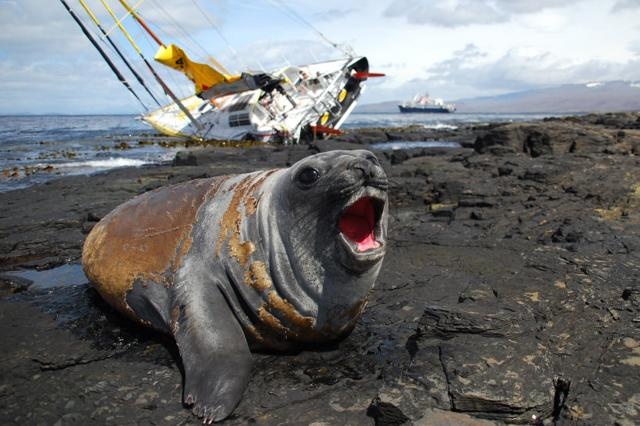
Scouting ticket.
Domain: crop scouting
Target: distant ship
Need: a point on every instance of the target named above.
(424, 104)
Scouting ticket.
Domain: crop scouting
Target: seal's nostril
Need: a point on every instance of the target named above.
(368, 165)
(365, 167)
(373, 159)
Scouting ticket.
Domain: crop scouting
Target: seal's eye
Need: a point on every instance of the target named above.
(308, 176)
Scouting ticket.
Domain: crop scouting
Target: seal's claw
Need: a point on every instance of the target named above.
(219, 401)
(197, 410)
(212, 416)
(189, 400)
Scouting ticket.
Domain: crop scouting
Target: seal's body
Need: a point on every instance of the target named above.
(272, 259)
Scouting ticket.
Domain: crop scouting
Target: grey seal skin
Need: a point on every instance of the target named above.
(275, 259)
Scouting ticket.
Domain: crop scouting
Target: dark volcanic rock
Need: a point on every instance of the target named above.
(10, 284)
(589, 134)
(509, 293)
(499, 379)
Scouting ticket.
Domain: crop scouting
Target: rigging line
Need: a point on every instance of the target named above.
(118, 24)
(179, 27)
(115, 48)
(110, 51)
(119, 21)
(136, 16)
(220, 34)
(162, 84)
(166, 74)
(106, 58)
(301, 19)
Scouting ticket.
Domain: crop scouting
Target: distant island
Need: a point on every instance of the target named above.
(573, 98)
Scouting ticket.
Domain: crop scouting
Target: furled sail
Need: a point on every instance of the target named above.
(203, 76)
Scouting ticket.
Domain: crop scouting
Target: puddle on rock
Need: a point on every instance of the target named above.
(62, 276)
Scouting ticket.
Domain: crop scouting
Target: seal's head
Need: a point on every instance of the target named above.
(334, 208)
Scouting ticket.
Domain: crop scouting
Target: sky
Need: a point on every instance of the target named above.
(451, 48)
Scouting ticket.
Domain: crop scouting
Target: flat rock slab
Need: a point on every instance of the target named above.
(500, 379)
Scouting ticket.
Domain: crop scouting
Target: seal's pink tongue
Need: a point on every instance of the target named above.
(357, 224)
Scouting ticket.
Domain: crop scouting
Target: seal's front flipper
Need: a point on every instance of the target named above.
(214, 351)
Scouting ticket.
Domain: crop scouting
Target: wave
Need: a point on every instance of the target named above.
(440, 126)
(107, 163)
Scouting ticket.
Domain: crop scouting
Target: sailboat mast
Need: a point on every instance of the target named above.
(162, 84)
(141, 22)
(102, 53)
(104, 33)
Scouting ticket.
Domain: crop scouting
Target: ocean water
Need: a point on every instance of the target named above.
(36, 149)
(398, 145)
(434, 121)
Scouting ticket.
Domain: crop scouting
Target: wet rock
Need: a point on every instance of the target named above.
(510, 290)
(448, 323)
(435, 417)
(499, 379)
(10, 284)
(632, 295)
(538, 143)
(185, 158)
(581, 135)
(398, 156)
(477, 292)
(386, 414)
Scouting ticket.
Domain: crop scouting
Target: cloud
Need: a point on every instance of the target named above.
(524, 68)
(622, 5)
(333, 14)
(470, 72)
(528, 6)
(179, 16)
(463, 56)
(449, 14)
(455, 13)
(545, 21)
(270, 55)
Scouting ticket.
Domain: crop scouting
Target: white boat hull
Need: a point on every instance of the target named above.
(321, 94)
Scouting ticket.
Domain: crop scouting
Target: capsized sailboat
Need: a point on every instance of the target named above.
(287, 105)
(290, 104)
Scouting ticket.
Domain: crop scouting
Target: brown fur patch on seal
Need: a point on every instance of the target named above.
(289, 320)
(231, 222)
(257, 276)
(146, 238)
(289, 313)
(230, 226)
(272, 323)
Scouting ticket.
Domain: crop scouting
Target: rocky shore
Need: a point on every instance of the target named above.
(510, 292)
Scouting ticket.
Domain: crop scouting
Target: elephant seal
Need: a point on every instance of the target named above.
(268, 260)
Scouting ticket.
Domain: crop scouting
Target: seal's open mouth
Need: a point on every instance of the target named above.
(358, 223)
